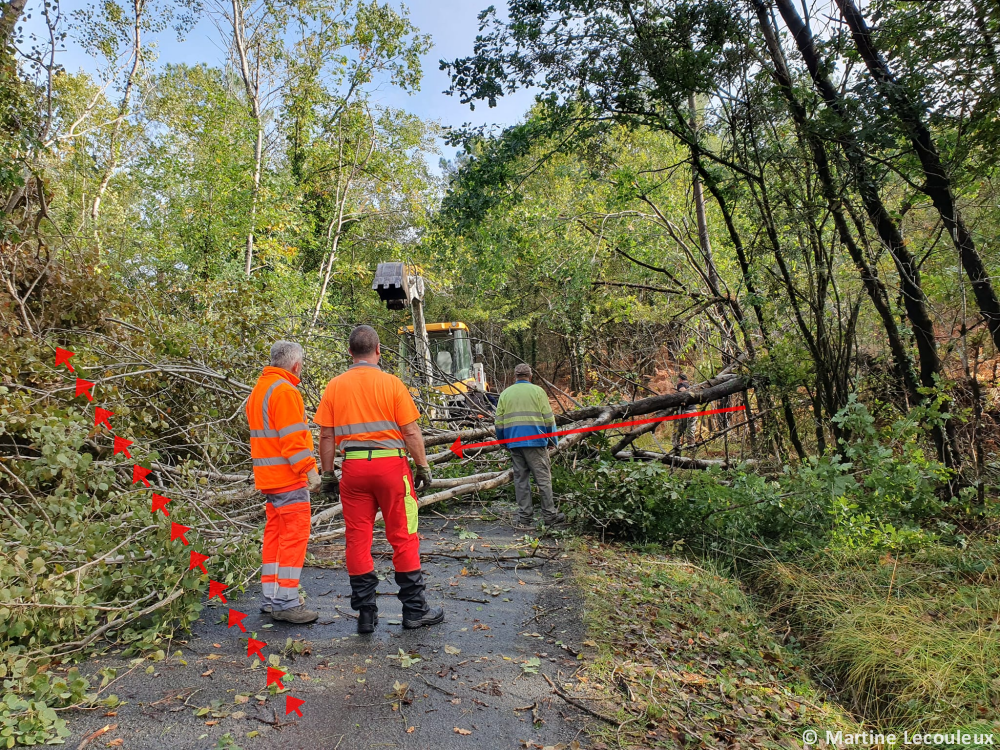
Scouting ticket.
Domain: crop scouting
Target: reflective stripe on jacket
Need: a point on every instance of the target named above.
(365, 407)
(281, 444)
(524, 411)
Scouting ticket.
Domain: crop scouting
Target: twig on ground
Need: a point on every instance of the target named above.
(574, 702)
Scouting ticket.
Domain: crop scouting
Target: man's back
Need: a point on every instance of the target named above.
(366, 408)
(523, 411)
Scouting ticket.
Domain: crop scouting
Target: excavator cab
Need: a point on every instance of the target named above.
(460, 381)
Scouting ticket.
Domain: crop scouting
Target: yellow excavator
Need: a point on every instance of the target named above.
(438, 355)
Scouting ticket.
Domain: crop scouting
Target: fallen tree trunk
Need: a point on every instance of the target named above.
(464, 489)
(680, 462)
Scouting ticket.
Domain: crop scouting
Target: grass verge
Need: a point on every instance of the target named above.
(687, 661)
(912, 640)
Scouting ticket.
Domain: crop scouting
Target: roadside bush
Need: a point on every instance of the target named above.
(881, 491)
(85, 564)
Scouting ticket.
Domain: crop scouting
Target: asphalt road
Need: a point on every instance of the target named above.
(476, 681)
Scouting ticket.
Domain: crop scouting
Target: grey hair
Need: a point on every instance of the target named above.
(522, 369)
(286, 354)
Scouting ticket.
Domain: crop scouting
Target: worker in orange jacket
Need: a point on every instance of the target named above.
(284, 469)
(370, 415)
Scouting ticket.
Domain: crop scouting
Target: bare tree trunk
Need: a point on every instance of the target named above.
(334, 233)
(138, 7)
(12, 12)
(258, 154)
(252, 85)
(937, 184)
(699, 207)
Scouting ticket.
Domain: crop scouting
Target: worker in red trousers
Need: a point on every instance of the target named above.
(371, 417)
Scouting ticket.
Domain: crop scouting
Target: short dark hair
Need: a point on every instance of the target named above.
(682, 376)
(363, 341)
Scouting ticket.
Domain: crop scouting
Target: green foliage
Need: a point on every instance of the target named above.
(881, 492)
(27, 715)
(83, 557)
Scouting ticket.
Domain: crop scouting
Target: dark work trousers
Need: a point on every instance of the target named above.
(532, 462)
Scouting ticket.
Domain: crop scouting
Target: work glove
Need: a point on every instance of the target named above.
(422, 478)
(312, 480)
(330, 489)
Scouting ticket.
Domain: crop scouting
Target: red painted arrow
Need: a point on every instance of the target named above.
(101, 417)
(121, 446)
(236, 618)
(457, 448)
(215, 589)
(160, 504)
(253, 648)
(198, 561)
(275, 676)
(139, 474)
(83, 389)
(62, 358)
(177, 532)
(292, 704)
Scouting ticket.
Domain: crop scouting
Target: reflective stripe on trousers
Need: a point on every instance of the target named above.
(286, 536)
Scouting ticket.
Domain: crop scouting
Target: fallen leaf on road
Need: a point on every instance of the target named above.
(95, 734)
(242, 699)
(211, 723)
(116, 743)
(206, 674)
(459, 730)
(217, 645)
(592, 644)
(238, 715)
(211, 657)
(452, 650)
(411, 730)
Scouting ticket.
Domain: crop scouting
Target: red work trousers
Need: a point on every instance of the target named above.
(286, 536)
(366, 487)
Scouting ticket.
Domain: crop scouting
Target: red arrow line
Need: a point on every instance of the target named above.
(62, 358)
(275, 676)
(160, 504)
(457, 447)
(292, 704)
(253, 648)
(236, 618)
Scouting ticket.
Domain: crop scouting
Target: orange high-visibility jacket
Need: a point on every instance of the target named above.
(281, 444)
(365, 407)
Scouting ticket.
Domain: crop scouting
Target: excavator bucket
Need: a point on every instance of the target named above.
(392, 284)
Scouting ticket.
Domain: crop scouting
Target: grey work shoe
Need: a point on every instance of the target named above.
(265, 608)
(556, 519)
(524, 523)
(297, 615)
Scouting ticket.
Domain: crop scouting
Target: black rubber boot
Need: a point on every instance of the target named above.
(416, 613)
(363, 601)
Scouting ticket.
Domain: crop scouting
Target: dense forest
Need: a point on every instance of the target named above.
(794, 204)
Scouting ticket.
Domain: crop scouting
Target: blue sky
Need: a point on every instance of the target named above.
(452, 25)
